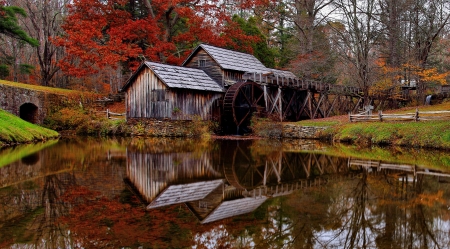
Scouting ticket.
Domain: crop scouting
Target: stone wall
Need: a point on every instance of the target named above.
(167, 127)
(189, 128)
(304, 132)
(12, 98)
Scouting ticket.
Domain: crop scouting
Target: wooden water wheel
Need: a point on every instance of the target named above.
(241, 101)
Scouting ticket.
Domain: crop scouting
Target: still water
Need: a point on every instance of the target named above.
(182, 193)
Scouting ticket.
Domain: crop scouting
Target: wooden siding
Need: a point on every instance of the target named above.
(230, 77)
(211, 68)
(149, 97)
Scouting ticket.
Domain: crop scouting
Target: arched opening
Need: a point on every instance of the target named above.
(29, 112)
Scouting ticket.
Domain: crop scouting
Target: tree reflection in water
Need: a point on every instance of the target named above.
(312, 200)
(371, 211)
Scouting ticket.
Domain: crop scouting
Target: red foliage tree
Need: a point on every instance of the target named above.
(101, 34)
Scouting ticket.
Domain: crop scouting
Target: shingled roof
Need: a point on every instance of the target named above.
(231, 60)
(238, 61)
(179, 77)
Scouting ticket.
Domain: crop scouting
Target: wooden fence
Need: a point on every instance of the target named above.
(412, 116)
(113, 115)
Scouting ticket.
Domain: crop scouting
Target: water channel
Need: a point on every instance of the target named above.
(183, 193)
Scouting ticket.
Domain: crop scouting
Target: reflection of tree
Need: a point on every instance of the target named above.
(36, 206)
(359, 228)
(99, 222)
(48, 228)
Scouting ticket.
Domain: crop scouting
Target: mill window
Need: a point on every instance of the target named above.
(202, 63)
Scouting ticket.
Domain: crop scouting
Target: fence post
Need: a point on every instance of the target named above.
(350, 116)
(416, 118)
(380, 115)
(107, 113)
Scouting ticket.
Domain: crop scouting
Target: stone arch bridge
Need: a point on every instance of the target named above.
(33, 103)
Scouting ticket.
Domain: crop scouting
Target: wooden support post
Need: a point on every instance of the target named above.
(107, 113)
(266, 98)
(380, 115)
(416, 117)
(280, 101)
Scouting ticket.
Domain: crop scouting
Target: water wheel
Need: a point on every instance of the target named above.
(240, 102)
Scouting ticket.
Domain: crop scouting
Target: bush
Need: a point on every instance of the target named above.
(85, 122)
(66, 119)
(266, 128)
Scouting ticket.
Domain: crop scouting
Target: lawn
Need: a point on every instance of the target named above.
(14, 130)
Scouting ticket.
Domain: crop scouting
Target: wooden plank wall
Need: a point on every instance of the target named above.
(148, 97)
(211, 68)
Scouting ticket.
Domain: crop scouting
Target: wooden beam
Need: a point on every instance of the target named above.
(308, 96)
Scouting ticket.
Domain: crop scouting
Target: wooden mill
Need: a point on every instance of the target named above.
(230, 86)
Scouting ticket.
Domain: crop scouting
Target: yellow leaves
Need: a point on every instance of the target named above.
(432, 75)
(388, 83)
(429, 75)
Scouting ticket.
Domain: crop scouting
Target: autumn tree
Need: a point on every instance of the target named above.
(122, 33)
(412, 31)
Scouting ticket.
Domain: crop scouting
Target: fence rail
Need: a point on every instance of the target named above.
(413, 116)
(113, 115)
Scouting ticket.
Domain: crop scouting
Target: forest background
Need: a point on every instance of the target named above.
(94, 45)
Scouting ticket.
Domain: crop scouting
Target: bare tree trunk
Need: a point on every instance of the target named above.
(45, 19)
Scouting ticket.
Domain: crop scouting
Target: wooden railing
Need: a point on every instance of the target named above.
(270, 79)
(113, 115)
(412, 116)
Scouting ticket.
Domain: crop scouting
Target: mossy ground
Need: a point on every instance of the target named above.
(14, 130)
(423, 134)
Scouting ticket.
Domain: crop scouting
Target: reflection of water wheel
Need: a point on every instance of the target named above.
(241, 170)
(241, 101)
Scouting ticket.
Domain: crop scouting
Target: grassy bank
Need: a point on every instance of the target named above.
(14, 130)
(423, 134)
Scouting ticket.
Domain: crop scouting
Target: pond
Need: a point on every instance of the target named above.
(185, 193)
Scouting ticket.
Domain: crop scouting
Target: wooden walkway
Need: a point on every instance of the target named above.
(293, 99)
(287, 82)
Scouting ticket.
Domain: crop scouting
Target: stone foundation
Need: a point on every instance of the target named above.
(304, 132)
(191, 128)
(167, 127)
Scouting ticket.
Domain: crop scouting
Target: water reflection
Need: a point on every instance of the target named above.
(207, 194)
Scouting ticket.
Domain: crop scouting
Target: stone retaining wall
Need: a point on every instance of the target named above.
(304, 132)
(167, 127)
(189, 128)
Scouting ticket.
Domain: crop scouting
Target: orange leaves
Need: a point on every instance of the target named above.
(432, 75)
(102, 34)
(429, 75)
(388, 83)
(94, 220)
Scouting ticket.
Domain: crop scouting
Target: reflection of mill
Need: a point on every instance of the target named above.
(279, 173)
(237, 177)
(227, 183)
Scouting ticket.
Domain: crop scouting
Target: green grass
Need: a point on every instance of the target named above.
(14, 130)
(39, 88)
(429, 134)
